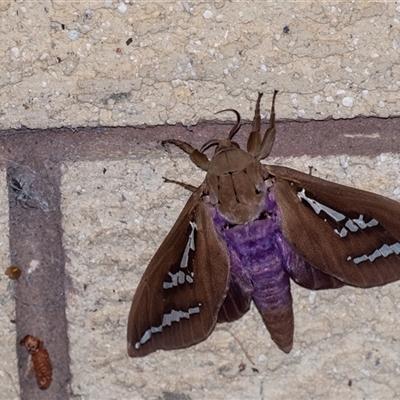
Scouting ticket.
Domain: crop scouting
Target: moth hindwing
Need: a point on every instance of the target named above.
(245, 233)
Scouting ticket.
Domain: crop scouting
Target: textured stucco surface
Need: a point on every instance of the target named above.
(114, 222)
(9, 386)
(132, 63)
(113, 63)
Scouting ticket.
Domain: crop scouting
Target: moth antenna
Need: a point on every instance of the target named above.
(236, 127)
(207, 145)
(232, 132)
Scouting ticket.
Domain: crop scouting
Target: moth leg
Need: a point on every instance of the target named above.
(191, 188)
(198, 158)
(186, 147)
(310, 169)
(254, 141)
(269, 137)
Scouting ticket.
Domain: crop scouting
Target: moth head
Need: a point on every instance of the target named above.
(220, 145)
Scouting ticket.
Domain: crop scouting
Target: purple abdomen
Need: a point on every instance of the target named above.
(261, 264)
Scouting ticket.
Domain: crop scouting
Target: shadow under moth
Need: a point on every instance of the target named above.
(245, 232)
(40, 360)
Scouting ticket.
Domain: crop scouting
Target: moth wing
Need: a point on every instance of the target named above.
(179, 296)
(350, 234)
(305, 274)
(239, 296)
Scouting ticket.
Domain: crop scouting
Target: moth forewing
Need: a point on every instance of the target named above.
(345, 232)
(147, 304)
(179, 296)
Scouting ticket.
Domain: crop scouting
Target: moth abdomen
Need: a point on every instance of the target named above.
(256, 253)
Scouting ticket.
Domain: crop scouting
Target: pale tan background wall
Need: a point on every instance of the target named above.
(68, 64)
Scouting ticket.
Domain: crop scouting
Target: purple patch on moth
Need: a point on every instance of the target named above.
(262, 263)
(258, 243)
(257, 252)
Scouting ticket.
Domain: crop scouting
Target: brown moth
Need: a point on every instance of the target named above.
(40, 360)
(248, 230)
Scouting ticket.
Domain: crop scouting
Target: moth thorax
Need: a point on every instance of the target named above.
(242, 212)
(230, 160)
(236, 186)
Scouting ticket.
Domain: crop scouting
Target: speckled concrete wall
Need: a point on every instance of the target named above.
(114, 63)
(345, 340)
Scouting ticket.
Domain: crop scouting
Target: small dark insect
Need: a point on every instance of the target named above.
(242, 367)
(350, 382)
(59, 59)
(129, 41)
(40, 360)
(104, 170)
(25, 106)
(286, 29)
(13, 272)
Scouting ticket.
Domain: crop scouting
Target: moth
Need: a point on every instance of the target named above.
(40, 360)
(245, 233)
